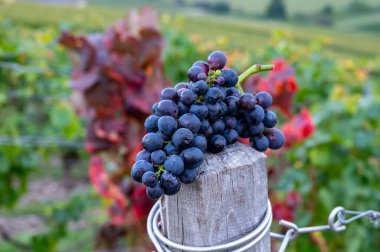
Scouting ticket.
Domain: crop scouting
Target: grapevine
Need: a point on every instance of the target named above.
(206, 114)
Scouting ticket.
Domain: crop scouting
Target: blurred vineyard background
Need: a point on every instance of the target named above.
(328, 95)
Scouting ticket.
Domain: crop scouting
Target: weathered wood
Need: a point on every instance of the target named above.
(228, 200)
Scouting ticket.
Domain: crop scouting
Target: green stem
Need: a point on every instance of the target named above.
(160, 170)
(252, 70)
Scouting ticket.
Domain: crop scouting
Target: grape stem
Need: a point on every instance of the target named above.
(256, 68)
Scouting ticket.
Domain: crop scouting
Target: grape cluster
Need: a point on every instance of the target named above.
(205, 114)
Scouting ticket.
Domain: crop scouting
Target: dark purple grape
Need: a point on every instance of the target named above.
(150, 123)
(216, 60)
(270, 119)
(193, 73)
(264, 99)
(188, 97)
(214, 110)
(214, 95)
(165, 137)
(149, 179)
(169, 94)
(232, 103)
(230, 122)
(230, 77)
(182, 108)
(174, 164)
(218, 126)
(167, 125)
(188, 176)
(206, 129)
(202, 65)
(154, 109)
(224, 92)
(220, 80)
(200, 87)
(256, 115)
(158, 157)
(179, 91)
(216, 144)
(183, 137)
(152, 142)
(260, 143)
(171, 149)
(192, 157)
(154, 193)
(199, 109)
(231, 136)
(200, 142)
(247, 102)
(242, 128)
(223, 109)
(167, 107)
(276, 138)
(232, 91)
(139, 168)
(143, 155)
(256, 129)
(190, 121)
(181, 85)
(170, 183)
(202, 76)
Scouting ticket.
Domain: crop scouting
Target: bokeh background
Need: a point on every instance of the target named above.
(65, 151)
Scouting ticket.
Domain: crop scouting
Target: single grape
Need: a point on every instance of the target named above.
(152, 142)
(170, 183)
(214, 110)
(167, 107)
(188, 176)
(171, 149)
(154, 109)
(182, 108)
(182, 137)
(169, 94)
(232, 91)
(181, 85)
(149, 179)
(188, 97)
(256, 129)
(230, 77)
(167, 125)
(223, 108)
(192, 157)
(256, 115)
(202, 65)
(260, 143)
(230, 122)
(232, 103)
(199, 109)
(264, 99)
(150, 123)
(206, 129)
(139, 168)
(216, 144)
(179, 91)
(143, 155)
(155, 192)
(276, 138)
(218, 126)
(222, 89)
(158, 157)
(165, 137)
(193, 73)
(190, 121)
(200, 87)
(242, 128)
(231, 136)
(220, 80)
(247, 102)
(200, 142)
(202, 76)
(174, 164)
(270, 119)
(217, 60)
(214, 95)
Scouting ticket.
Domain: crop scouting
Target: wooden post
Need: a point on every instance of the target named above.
(228, 200)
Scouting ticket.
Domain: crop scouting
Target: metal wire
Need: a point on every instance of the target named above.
(38, 141)
(336, 222)
(163, 244)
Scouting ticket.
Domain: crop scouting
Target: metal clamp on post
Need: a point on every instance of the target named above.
(163, 244)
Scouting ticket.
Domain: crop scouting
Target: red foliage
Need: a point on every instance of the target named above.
(285, 209)
(300, 127)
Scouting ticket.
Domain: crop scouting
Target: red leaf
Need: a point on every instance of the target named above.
(300, 127)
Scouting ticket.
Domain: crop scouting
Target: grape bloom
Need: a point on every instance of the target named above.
(206, 114)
